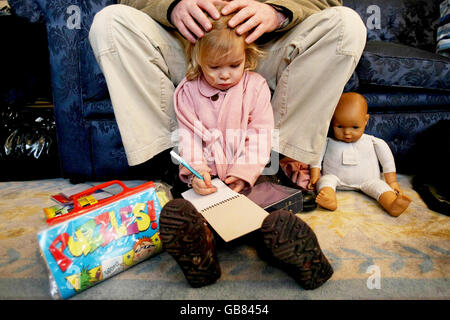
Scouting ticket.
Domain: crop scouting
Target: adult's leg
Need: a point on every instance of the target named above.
(308, 68)
(142, 63)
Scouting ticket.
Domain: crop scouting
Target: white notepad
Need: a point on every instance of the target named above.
(229, 213)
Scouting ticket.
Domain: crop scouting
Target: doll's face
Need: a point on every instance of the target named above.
(350, 119)
(227, 72)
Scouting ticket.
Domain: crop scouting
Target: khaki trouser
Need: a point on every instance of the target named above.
(306, 67)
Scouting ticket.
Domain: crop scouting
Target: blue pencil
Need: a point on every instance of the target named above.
(184, 163)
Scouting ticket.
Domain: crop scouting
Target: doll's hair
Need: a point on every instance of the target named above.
(217, 44)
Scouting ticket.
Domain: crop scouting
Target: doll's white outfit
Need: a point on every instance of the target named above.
(354, 165)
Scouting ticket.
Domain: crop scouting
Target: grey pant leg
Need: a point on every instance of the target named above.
(142, 63)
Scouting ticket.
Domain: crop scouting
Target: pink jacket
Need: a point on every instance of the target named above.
(227, 133)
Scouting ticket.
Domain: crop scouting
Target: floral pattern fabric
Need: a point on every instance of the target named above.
(409, 22)
(391, 64)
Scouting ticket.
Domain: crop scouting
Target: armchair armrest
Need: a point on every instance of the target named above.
(67, 23)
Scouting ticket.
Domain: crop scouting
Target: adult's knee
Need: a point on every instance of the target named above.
(101, 26)
(105, 17)
(114, 22)
(354, 32)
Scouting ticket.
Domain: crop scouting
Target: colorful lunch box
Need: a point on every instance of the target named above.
(91, 244)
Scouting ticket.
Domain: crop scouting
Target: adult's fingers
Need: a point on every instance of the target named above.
(192, 26)
(242, 15)
(210, 8)
(233, 6)
(199, 16)
(248, 25)
(185, 32)
(190, 19)
(255, 34)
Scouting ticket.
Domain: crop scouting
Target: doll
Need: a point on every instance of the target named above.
(350, 160)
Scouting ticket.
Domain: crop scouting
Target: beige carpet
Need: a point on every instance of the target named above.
(374, 256)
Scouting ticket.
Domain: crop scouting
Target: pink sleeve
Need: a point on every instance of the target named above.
(189, 142)
(258, 144)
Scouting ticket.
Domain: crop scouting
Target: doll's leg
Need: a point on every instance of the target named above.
(326, 197)
(293, 244)
(187, 238)
(142, 62)
(395, 204)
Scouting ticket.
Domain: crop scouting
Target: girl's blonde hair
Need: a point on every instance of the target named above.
(217, 44)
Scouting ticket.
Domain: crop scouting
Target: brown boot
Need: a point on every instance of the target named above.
(293, 243)
(187, 238)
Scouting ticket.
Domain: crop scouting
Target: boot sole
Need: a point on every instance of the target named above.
(187, 238)
(292, 242)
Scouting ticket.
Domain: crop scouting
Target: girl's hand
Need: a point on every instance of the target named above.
(236, 184)
(203, 187)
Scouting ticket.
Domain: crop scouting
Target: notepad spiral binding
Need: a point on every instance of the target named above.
(220, 203)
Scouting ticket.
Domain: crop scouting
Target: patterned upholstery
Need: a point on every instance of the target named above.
(391, 64)
(409, 22)
(78, 85)
(443, 30)
(400, 129)
(406, 88)
(396, 99)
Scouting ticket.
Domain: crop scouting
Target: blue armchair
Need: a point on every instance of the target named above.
(89, 141)
(406, 84)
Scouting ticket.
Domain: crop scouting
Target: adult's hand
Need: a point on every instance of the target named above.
(253, 15)
(189, 17)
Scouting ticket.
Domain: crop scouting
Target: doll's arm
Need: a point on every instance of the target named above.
(315, 168)
(387, 161)
(315, 176)
(391, 180)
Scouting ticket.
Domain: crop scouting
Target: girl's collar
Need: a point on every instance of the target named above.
(205, 88)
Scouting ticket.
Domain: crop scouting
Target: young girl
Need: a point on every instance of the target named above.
(224, 112)
(225, 118)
